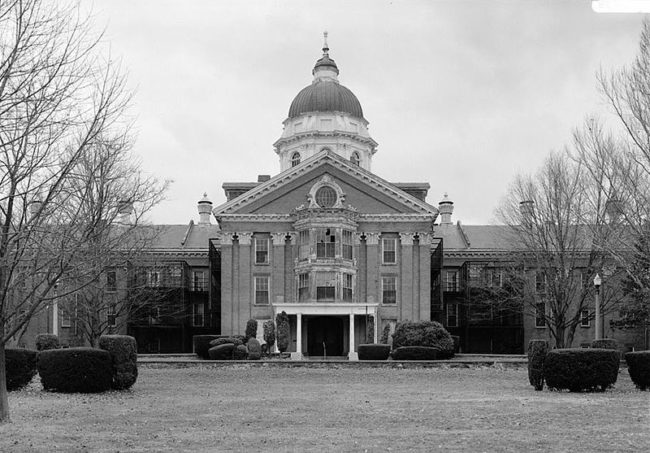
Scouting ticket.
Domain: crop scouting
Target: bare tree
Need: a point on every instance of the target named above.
(61, 105)
(556, 254)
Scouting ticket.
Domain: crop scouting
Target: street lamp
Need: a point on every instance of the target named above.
(597, 282)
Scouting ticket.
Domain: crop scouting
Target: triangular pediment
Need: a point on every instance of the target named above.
(362, 191)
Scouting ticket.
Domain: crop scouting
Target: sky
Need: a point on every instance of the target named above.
(462, 94)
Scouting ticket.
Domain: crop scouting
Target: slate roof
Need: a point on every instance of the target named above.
(191, 237)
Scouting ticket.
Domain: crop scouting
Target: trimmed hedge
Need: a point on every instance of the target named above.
(124, 355)
(606, 343)
(537, 350)
(240, 352)
(75, 370)
(20, 365)
(254, 349)
(221, 352)
(282, 331)
(579, 370)
(45, 341)
(638, 365)
(226, 340)
(424, 333)
(374, 351)
(251, 329)
(384, 334)
(415, 353)
(202, 344)
(269, 334)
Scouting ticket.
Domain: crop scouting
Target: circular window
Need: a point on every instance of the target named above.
(326, 197)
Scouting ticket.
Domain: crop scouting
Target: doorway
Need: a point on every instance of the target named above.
(324, 336)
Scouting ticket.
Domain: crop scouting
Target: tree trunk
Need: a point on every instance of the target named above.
(4, 398)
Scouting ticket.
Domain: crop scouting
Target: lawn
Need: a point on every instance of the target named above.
(337, 409)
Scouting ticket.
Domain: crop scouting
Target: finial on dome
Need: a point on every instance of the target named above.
(326, 48)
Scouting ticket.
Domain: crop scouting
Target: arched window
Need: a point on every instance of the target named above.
(295, 159)
(354, 158)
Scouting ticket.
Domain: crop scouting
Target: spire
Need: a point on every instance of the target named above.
(325, 68)
(326, 49)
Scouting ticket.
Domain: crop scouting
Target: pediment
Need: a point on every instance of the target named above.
(356, 189)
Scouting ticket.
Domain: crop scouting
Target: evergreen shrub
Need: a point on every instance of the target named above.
(124, 356)
(605, 343)
(20, 365)
(202, 344)
(282, 322)
(415, 353)
(384, 334)
(537, 350)
(579, 370)
(374, 351)
(254, 349)
(221, 352)
(226, 340)
(45, 341)
(251, 329)
(269, 334)
(638, 365)
(424, 333)
(75, 370)
(240, 352)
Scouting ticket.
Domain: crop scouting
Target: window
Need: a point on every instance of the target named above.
(540, 282)
(111, 315)
(325, 293)
(494, 278)
(199, 281)
(347, 245)
(66, 319)
(452, 315)
(325, 286)
(295, 159)
(303, 287)
(262, 290)
(540, 314)
(451, 282)
(153, 278)
(326, 197)
(347, 287)
(388, 250)
(325, 243)
(354, 158)
(388, 290)
(304, 245)
(261, 250)
(198, 315)
(111, 281)
(584, 318)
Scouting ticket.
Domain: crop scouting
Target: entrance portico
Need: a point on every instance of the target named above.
(323, 310)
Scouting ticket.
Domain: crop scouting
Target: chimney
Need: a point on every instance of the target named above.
(205, 210)
(446, 208)
(124, 211)
(263, 178)
(526, 211)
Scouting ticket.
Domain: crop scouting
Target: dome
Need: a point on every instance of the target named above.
(325, 96)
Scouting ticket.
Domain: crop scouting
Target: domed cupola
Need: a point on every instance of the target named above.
(325, 115)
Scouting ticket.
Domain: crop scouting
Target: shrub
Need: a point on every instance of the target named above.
(384, 334)
(240, 352)
(124, 356)
(225, 340)
(415, 353)
(221, 352)
(374, 351)
(20, 365)
(581, 369)
(254, 349)
(606, 343)
(269, 334)
(45, 341)
(202, 344)
(282, 321)
(537, 350)
(251, 329)
(370, 329)
(424, 333)
(638, 365)
(84, 370)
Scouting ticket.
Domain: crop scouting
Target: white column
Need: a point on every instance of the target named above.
(376, 328)
(352, 355)
(298, 354)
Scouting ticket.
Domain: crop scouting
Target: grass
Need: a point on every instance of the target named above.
(337, 409)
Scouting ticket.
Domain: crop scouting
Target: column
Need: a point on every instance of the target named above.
(278, 294)
(352, 355)
(376, 324)
(406, 302)
(372, 267)
(245, 296)
(298, 354)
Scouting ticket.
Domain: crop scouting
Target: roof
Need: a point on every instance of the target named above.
(182, 238)
(325, 96)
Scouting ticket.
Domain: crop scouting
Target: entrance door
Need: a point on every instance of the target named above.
(325, 336)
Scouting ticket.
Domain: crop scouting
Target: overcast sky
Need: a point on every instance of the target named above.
(460, 94)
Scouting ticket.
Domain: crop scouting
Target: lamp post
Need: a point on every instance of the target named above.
(597, 282)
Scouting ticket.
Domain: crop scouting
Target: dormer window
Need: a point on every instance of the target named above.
(354, 158)
(326, 197)
(295, 159)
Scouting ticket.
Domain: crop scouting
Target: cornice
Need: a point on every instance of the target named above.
(327, 134)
